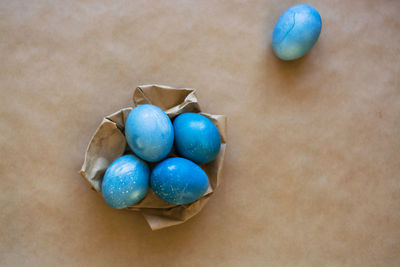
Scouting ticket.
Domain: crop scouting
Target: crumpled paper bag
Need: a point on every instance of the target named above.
(108, 143)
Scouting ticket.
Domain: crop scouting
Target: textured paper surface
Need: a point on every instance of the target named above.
(108, 143)
(311, 170)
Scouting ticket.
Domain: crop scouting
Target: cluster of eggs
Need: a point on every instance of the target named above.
(151, 135)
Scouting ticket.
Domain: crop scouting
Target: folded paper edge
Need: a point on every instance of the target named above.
(83, 170)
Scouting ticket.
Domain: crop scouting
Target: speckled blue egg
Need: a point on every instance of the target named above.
(196, 137)
(178, 181)
(149, 132)
(296, 32)
(125, 182)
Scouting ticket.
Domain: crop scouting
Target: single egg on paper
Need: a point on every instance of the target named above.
(296, 32)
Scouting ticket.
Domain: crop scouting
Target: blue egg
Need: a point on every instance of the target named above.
(178, 181)
(296, 32)
(149, 132)
(196, 137)
(125, 182)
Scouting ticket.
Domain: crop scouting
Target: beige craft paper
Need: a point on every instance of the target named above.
(108, 143)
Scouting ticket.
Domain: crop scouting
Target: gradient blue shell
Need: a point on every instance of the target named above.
(196, 137)
(149, 132)
(296, 32)
(125, 182)
(178, 181)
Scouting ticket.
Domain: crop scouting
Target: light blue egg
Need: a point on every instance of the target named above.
(196, 137)
(178, 181)
(296, 32)
(149, 132)
(125, 182)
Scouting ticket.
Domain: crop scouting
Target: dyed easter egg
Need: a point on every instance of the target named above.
(178, 181)
(149, 132)
(196, 137)
(296, 32)
(125, 182)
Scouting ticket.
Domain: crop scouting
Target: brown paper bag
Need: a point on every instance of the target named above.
(108, 143)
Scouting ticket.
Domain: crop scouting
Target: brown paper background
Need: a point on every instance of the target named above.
(311, 174)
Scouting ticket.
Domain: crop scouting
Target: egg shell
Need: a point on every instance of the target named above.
(125, 182)
(296, 32)
(149, 132)
(178, 181)
(196, 137)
